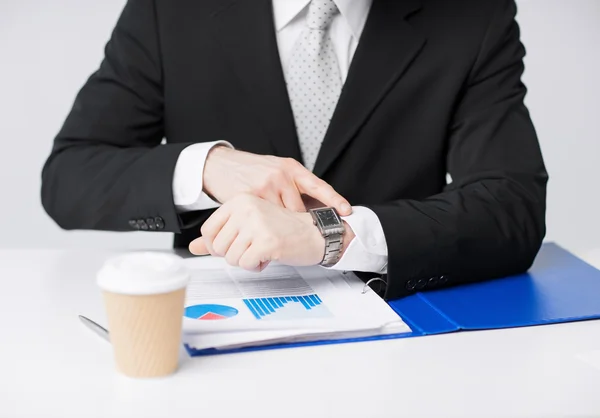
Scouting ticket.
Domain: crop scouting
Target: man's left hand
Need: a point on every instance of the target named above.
(250, 232)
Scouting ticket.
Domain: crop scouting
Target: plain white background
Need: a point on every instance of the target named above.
(49, 48)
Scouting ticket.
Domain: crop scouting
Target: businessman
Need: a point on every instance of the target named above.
(312, 132)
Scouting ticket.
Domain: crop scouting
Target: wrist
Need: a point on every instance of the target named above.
(316, 241)
(211, 165)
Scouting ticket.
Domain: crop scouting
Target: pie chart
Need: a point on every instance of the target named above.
(210, 312)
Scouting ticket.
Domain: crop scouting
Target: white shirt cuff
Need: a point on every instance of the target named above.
(368, 250)
(188, 178)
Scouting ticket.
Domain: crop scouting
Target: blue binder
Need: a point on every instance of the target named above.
(559, 287)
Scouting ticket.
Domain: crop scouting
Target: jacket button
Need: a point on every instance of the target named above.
(421, 283)
(142, 224)
(410, 285)
(432, 282)
(159, 222)
(133, 224)
(151, 224)
(444, 279)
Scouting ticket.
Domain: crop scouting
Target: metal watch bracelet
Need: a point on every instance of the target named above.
(333, 249)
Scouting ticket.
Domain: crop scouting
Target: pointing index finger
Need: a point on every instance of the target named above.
(320, 190)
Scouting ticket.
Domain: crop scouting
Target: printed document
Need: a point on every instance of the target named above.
(229, 307)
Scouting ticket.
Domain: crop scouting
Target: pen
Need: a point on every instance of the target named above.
(96, 328)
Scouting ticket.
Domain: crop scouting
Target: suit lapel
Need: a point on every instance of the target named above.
(247, 34)
(387, 47)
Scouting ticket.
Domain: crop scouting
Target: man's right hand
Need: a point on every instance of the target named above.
(282, 181)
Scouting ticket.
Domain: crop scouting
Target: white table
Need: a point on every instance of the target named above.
(52, 366)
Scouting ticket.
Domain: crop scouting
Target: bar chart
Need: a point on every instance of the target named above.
(287, 307)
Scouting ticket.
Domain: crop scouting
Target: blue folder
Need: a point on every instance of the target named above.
(559, 287)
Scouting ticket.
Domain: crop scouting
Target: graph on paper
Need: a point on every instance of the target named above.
(287, 307)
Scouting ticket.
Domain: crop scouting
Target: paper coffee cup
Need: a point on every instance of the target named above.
(144, 296)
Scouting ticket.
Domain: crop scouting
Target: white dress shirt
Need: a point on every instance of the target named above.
(368, 251)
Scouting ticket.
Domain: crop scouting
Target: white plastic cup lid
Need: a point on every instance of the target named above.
(143, 273)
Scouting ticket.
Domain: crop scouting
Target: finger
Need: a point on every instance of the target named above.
(292, 200)
(320, 190)
(251, 259)
(198, 247)
(224, 239)
(213, 225)
(236, 250)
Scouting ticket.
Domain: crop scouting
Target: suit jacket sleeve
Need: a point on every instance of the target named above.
(107, 167)
(490, 221)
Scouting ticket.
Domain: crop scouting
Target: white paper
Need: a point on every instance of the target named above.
(234, 308)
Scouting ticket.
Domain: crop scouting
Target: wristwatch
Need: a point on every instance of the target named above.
(332, 228)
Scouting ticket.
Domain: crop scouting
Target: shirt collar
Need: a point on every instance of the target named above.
(355, 13)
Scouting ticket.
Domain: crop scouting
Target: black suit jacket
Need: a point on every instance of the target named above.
(434, 88)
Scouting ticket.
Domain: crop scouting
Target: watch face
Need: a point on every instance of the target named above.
(328, 218)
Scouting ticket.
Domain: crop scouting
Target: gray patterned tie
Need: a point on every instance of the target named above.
(313, 80)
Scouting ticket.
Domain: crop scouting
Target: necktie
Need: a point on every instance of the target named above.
(313, 80)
